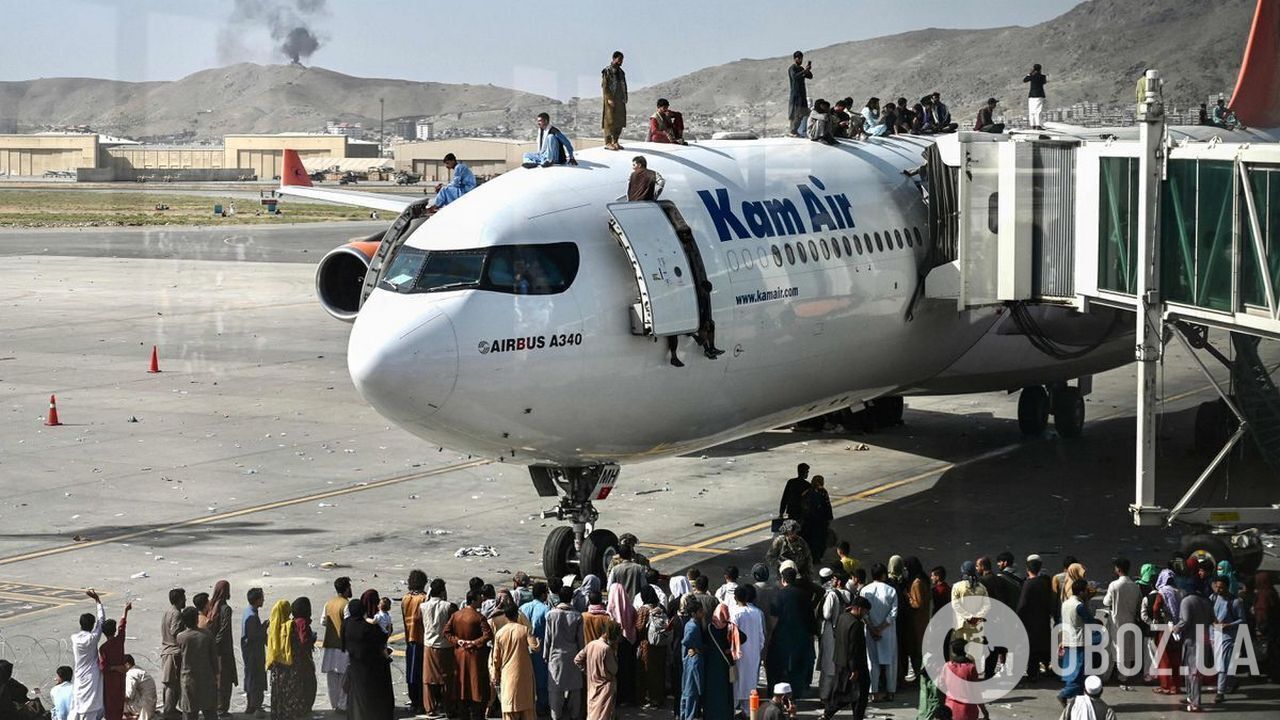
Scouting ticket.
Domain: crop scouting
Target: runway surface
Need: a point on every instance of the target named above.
(251, 458)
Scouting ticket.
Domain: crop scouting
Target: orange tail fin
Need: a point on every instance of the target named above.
(294, 173)
(1256, 100)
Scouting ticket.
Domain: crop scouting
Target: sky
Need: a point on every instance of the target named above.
(553, 48)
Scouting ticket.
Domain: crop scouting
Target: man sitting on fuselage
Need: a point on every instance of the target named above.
(554, 147)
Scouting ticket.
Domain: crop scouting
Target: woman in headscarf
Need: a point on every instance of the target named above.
(679, 618)
(624, 614)
(284, 694)
(303, 642)
(1161, 614)
(369, 668)
(220, 624)
(918, 610)
(724, 649)
(1228, 573)
(651, 671)
(1075, 571)
(897, 568)
(590, 584)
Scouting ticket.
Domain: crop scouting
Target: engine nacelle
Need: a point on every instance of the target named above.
(340, 277)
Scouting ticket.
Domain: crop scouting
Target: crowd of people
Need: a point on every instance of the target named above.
(580, 647)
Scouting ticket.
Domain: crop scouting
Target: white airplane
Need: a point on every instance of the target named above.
(530, 320)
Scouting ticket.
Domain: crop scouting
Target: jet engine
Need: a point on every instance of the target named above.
(340, 276)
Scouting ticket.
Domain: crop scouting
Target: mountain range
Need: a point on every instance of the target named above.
(1094, 52)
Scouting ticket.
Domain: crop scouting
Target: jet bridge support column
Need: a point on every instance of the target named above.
(1150, 320)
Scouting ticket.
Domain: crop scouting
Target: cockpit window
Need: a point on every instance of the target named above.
(515, 269)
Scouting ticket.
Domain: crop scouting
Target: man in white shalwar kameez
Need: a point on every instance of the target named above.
(86, 703)
(750, 621)
(882, 632)
(834, 600)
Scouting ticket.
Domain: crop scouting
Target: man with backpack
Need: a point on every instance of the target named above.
(653, 645)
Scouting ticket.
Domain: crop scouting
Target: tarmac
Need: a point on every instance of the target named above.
(250, 457)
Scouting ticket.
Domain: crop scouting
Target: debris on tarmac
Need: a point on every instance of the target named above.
(476, 551)
(139, 575)
(653, 490)
(436, 531)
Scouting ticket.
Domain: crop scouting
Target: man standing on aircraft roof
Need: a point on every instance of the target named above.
(986, 120)
(798, 113)
(553, 147)
(613, 86)
(1035, 97)
(463, 182)
(666, 125)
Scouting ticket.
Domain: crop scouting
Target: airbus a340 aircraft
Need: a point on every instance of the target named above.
(529, 320)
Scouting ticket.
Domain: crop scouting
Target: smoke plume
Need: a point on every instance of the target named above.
(289, 22)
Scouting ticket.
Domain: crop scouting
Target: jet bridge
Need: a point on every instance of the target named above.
(1180, 226)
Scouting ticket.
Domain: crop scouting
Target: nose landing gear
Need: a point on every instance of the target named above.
(582, 548)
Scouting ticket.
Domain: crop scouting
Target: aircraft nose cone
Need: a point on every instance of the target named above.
(406, 366)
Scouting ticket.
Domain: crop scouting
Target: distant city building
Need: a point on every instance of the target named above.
(355, 131)
(407, 128)
(425, 130)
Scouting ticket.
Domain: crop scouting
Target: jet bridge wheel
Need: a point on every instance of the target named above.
(558, 553)
(1033, 410)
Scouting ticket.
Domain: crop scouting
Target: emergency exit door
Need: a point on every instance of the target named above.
(664, 276)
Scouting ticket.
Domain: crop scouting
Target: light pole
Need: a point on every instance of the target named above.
(382, 115)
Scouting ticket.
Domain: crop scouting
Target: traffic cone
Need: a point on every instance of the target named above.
(754, 704)
(155, 361)
(52, 420)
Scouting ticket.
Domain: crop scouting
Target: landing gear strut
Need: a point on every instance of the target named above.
(582, 548)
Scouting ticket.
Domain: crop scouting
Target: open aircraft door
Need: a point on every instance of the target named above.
(664, 274)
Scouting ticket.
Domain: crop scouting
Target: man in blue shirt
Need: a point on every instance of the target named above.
(463, 182)
(553, 147)
(692, 679)
(62, 693)
(1228, 614)
(536, 610)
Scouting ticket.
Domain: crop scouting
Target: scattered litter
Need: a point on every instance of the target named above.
(285, 563)
(860, 447)
(159, 557)
(436, 531)
(329, 565)
(266, 574)
(251, 471)
(75, 517)
(325, 504)
(413, 497)
(79, 538)
(699, 524)
(653, 490)
(476, 551)
(133, 418)
(139, 575)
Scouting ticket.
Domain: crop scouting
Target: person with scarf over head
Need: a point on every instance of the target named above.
(590, 584)
(303, 642)
(680, 588)
(1088, 706)
(1161, 613)
(221, 624)
(905, 630)
(751, 622)
(1075, 571)
(284, 680)
(653, 636)
(369, 665)
(723, 651)
(622, 612)
(918, 611)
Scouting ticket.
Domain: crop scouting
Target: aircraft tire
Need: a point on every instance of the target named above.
(557, 553)
(1213, 547)
(888, 410)
(1033, 411)
(1068, 412)
(598, 548)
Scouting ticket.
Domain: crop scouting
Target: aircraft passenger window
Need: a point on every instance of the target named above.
(916, 231)
(791, 255)
(897, 235)
(527, 269)
(804, 256)
(747, 258)
(849, 250)
(907, 234)
(879, 244)
(777, 256)
(835, 246)
(813, 250)
(857, 243)
(763, 259)
(732, 258)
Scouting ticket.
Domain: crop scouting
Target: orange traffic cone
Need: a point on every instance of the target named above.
(52, 420)
(155, 361)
